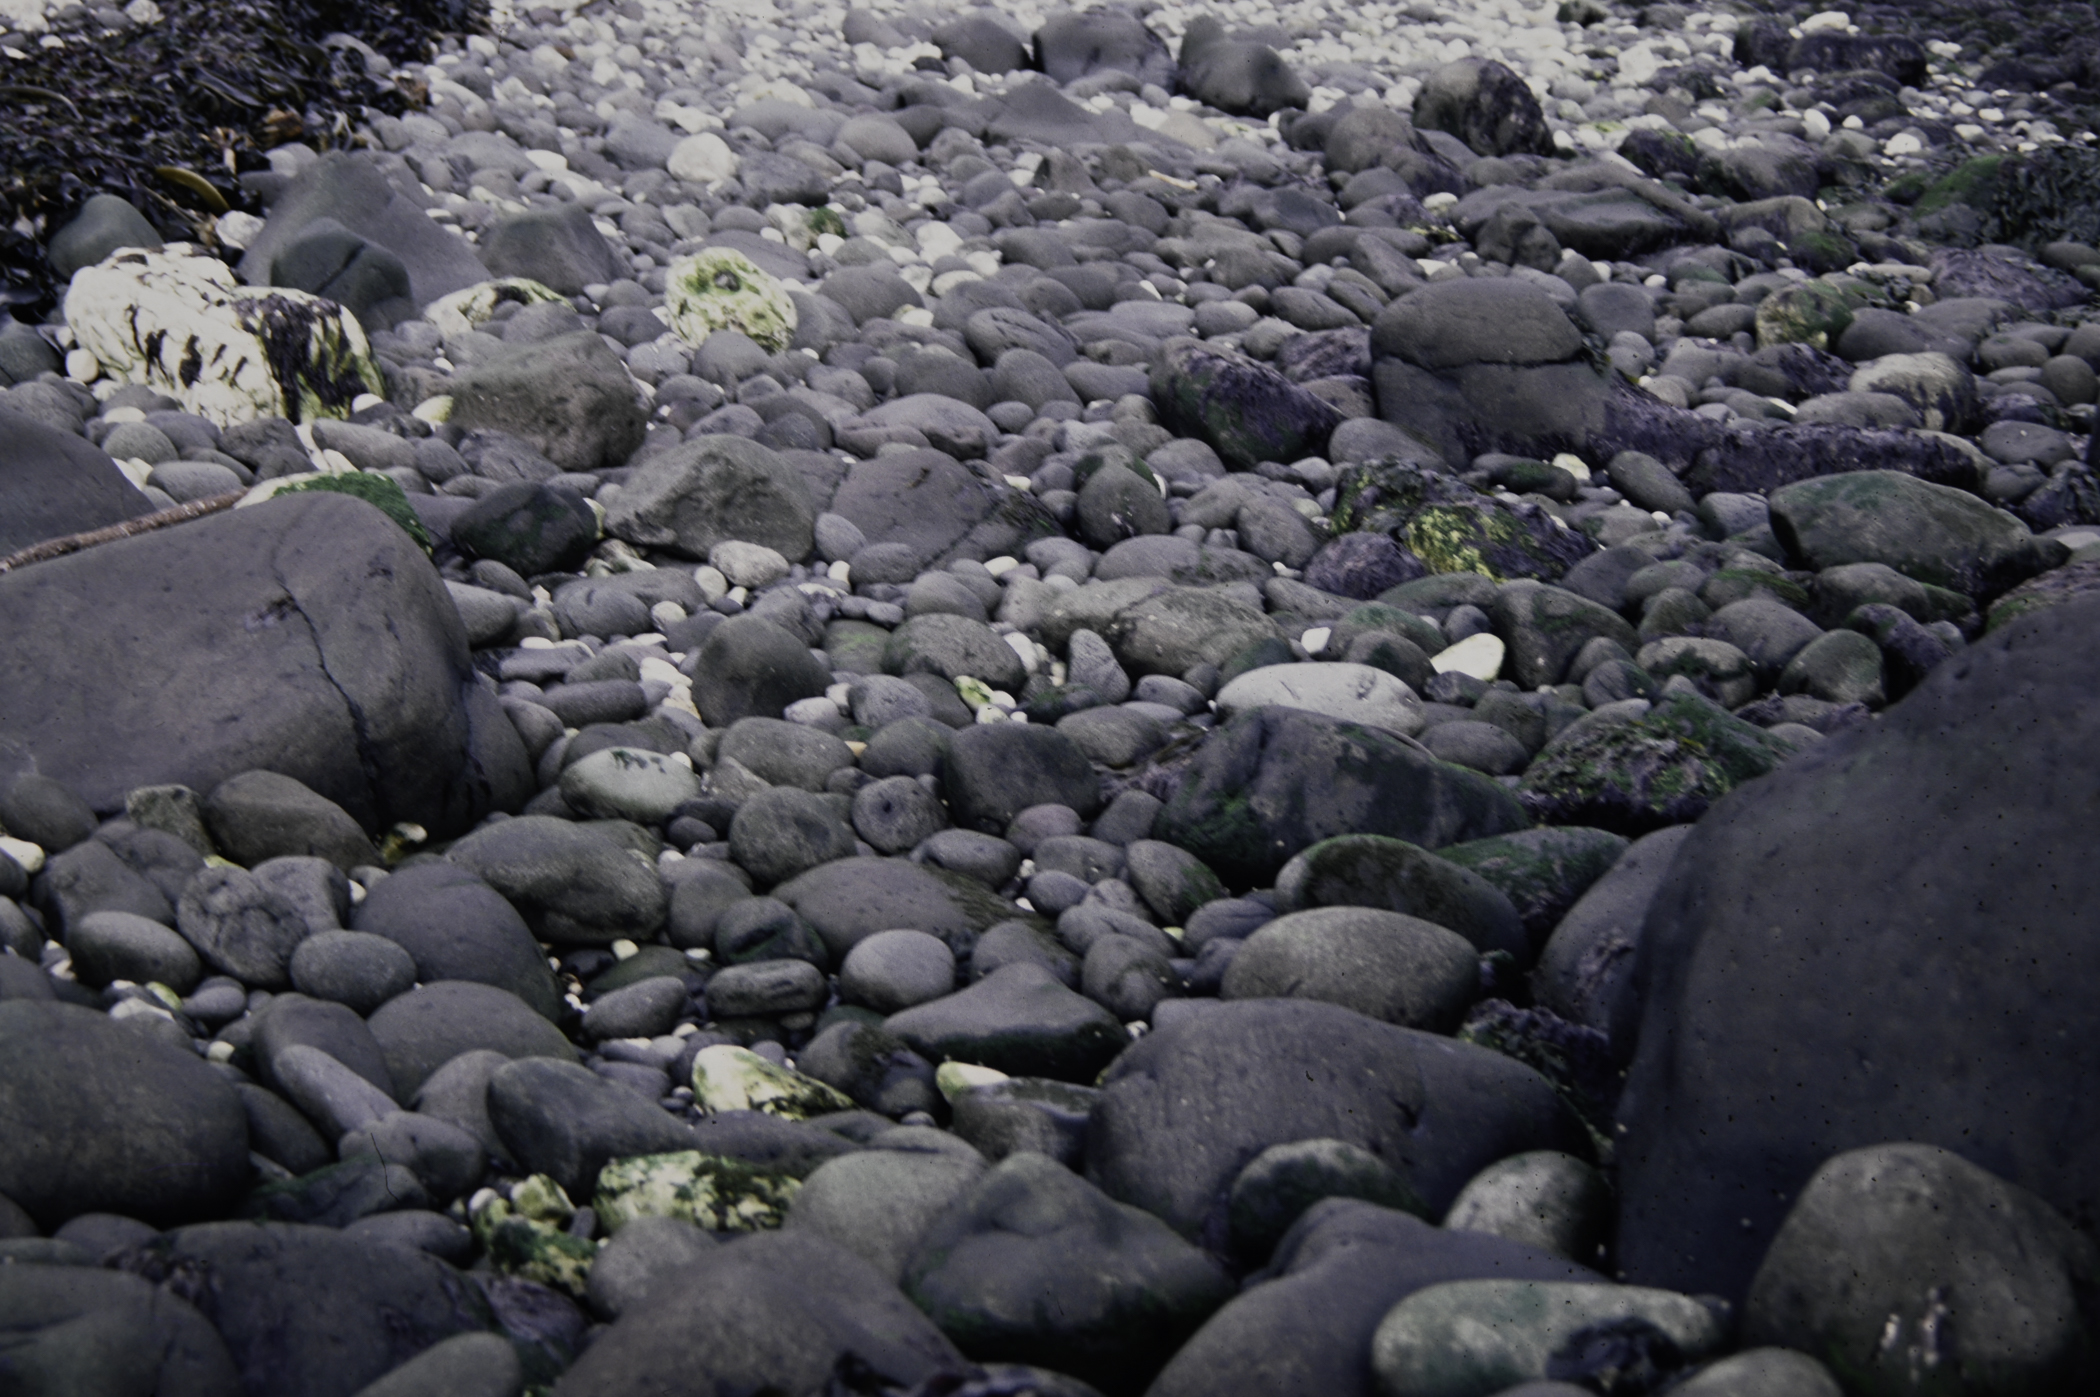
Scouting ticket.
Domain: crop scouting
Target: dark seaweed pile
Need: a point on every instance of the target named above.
(169, 115)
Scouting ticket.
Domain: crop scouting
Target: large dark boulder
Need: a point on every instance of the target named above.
(1186, 1107)
(104, 1118)
(307, 636)
(1886, 939)
(55, 483)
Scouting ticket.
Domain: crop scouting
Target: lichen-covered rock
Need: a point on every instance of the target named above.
(711, 1191)
(466, 310)
(728, 1078)
(720, 289)
(1664, 768)
(1453, 528)
(524, 1235)
(181, 324)
(1813, 313)
(1249, 412)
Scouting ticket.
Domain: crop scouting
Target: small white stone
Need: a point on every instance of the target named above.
(1477, 655)
(1315, 640)
(29, 856)
(235, 229)
(82, 366)
(1574, 465)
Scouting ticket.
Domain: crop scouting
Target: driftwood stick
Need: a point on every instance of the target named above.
(144, 524)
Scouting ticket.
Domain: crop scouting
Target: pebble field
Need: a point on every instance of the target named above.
(1201, 700)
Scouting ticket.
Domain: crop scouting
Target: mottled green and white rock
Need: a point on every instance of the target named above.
(524, 1235)
(1542, 1198)
(183, 325)
(728, 1078)
(471, 308)
(1475, 1338)
(712, 1191)
(719, 289)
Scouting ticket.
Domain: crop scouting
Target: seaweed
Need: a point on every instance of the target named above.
(169, 115)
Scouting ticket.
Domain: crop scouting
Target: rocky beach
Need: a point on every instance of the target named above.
(1257, 699)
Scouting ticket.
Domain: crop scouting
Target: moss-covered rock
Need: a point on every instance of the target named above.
(712, 1191)
(1453, 528)
(1813, 313)
(379, 491)
(1664, 768)
(728, 1078)
(1541, 871)
(720, 289)
(524, 1235)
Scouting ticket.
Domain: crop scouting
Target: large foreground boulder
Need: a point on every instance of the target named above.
(306, 636)
(1885, 940)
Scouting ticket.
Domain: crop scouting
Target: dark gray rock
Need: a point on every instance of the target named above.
(432, 1024)
(1235, 75)
(1924, 1241)
(872, 1065)
(558, 248)
(1933, 533)
(993, 771)
(1484, 104)
(260, 815)
(58, 484)
(779, 1308)
(1249, 412)
(312, 1309)
(349, 674)
(1387, 965)
(529, 526)
(1436, 1109)
(329, 260)
(1541, 871)
(713, 490)
(1664, 767)
(571, 882)
(351, 968)
(565, 1121)
(1369, 870)
(241, 926)
(350, 188)
(1101, 1289)
(110, 1118)
(1734, 1101)
(1076, 44)
(1019, 1020)
(848, 900)
(456, 927)
(70, 1327)
(750, 668)
(983, 41)
(1304, 1328)
(105, 223)
(1274, 781)
(106, 946)
(570, 396)
(781, 832)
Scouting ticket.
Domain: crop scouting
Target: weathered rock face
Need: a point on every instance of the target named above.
(306, 635)
(183, 325)
(1907, 895)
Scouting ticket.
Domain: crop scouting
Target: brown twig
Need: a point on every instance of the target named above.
(144, 524)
